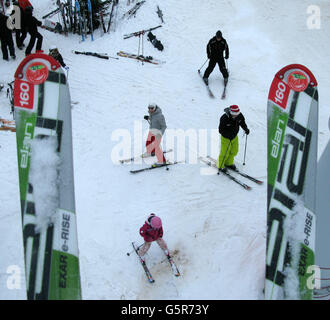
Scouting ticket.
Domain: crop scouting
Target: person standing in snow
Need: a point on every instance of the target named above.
(53, 52)
(22, 32)
(152, 230)
(6, 39)
(157, 127)
(32, 25)
(215, 50)
(229, 125)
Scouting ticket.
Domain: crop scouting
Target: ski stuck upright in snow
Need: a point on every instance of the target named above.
(45, 166)
(292, 118)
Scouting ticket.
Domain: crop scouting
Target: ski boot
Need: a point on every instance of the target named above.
(232, 167)
(223, 170)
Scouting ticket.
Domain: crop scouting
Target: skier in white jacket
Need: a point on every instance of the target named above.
(157, 127)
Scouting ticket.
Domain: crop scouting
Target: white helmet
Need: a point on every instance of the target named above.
(52, 48)
(152, 105)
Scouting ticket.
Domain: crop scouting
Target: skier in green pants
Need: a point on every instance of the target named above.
(229, 125)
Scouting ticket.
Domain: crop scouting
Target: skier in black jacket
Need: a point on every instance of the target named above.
(32, 25)
(229, 125)
(6, 38)
(22, 32)
(215, 50)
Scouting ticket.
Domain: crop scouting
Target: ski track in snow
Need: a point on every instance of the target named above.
(216, 230)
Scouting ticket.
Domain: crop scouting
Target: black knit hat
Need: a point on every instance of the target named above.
(218, 34)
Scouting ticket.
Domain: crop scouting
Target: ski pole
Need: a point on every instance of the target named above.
(224, 157)
(129, 253)
(203, 65)
(226, 63)
(245, 149)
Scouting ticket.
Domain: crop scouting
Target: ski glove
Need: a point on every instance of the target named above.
(66, 68)
(146, 118)
(247, 131)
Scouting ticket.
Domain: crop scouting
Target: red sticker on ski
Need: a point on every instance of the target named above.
(279, 93)
(37, 73)
(298, 81)
(23, 94)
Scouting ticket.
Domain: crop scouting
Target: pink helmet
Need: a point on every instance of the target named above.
(156, 222)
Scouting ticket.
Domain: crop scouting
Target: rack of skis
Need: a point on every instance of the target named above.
(82, 17)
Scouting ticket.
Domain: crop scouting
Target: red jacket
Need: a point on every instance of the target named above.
(149, 234)
(24, 3)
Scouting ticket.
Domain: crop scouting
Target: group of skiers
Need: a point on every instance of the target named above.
(230, 122)
(28, 24)
(217, 51)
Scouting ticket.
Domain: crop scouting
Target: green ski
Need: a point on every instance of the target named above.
(45, 166)
(292, 116)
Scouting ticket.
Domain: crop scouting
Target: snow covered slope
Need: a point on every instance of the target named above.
(216, 229)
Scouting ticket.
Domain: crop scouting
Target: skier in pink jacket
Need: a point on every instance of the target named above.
(152, 230)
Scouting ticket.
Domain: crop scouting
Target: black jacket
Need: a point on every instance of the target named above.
(57, 56)
(229, 126)
(215, 49)
(31, 23)
(5, 33)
